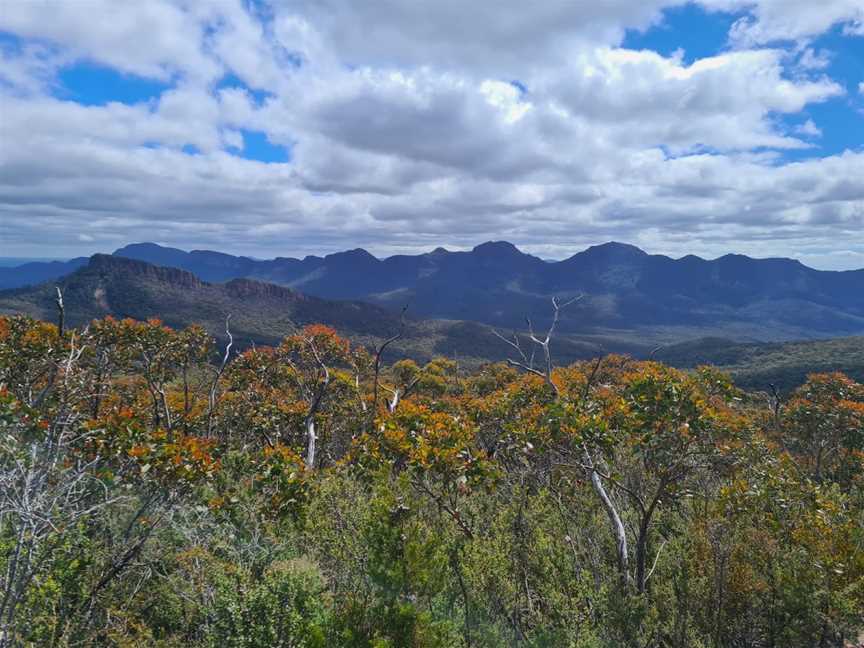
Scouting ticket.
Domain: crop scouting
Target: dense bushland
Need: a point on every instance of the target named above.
(305, 495)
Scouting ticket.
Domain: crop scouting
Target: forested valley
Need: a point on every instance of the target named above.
(160, 489)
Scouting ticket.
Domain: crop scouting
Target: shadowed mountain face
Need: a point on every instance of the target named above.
(625, 289)
(260, 312)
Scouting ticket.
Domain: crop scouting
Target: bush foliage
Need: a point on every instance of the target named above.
(151, 497)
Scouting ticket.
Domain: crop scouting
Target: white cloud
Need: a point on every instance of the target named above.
(809, 129)
(408, 131)
(811, 59)
(648, 100)
(788, 20)
(30, 71)
(487, 37)
(854, 28)
(154, 38)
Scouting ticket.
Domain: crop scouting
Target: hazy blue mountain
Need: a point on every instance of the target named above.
(10, 262)
(625, 289)
(37, 271)
(260, 312)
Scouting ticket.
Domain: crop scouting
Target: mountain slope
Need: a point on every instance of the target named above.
(260, 312)
(627, 291)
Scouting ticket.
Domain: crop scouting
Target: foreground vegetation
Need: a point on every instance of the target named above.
(305, 496)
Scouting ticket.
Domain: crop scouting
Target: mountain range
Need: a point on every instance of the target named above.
(628, 294)
(261, 313)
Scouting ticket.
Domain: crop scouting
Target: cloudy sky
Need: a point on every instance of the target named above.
(297, 127)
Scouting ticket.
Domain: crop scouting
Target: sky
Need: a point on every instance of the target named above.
(313, 126)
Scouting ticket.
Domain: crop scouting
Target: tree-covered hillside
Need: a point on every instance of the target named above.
(758, 366)
(304, 494)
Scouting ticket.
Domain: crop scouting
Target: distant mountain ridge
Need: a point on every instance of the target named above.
(261, 313)
(122, 287)
(625, 288)
(36, 272)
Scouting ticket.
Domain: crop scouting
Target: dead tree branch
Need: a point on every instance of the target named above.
(211, 405)
(380, 352)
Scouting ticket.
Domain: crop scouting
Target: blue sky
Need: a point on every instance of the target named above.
(684, 127)
(91, 84)
(94, 85)
(697, 33)
(841, 119)
(689, 28)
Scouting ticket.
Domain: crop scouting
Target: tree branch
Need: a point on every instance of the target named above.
(380, 352)
(212, 398)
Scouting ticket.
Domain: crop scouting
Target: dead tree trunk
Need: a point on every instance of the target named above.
(526, 363)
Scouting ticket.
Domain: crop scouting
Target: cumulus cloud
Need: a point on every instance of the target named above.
(154, 38)
(789, 20)
(809, 129)
(409, 131)
(643, 89)
(486, 38)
